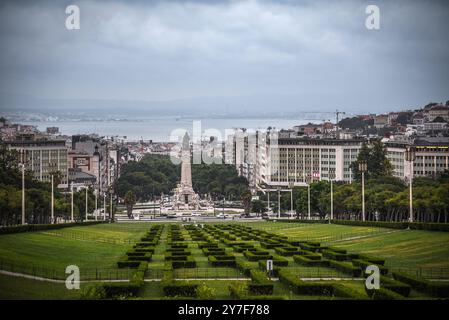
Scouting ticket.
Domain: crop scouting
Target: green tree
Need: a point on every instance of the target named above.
(258, 206)
(375, 155)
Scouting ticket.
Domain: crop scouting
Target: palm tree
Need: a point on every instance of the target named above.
(246, 198)
(130, 201)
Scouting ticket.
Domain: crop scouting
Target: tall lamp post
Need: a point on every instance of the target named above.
(96, 204)
(308, 201)
(22, 167)
(332, 176)
(291, 185)
(279, 203)
(52, 165)
(87, 200)
(410, 155)
(104, 205)
(363, 167)
(71, 201)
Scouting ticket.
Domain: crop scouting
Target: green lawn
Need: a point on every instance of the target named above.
(20, 288)
(49, 252)
(318, 231)
(97, 248)
(406, 248)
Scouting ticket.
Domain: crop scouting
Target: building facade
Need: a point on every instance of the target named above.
(431, 157)
(301, 160)
(43, 158)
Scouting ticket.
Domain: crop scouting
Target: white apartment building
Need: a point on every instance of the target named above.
(432, 157)
(43, 158)
(303, 160)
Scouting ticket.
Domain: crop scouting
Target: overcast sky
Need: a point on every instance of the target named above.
(280, 54)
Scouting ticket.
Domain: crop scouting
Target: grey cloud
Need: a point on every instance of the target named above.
(299, 53)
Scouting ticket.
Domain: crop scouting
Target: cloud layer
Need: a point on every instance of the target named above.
(296, 54)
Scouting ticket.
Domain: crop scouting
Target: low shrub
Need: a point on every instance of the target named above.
(311, 262)
(333, 255)
(316, 288)
(40, 227)
(435, 289)
(383, 294)
(345, 267)
(188, 263)
(364, 264)
(287, 251)
(178, 288)
(244, 266)
(121, 289)
(221, 262)
(126, 263)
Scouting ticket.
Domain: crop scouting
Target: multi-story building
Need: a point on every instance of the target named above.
(43, 158)
(303, 160)
(437, 111)
(87, 163)
(431, 157)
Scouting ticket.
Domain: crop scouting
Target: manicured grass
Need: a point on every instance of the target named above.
(318, 231)
(20, 288)
(87, 248)
(406, 248)
(51, 251)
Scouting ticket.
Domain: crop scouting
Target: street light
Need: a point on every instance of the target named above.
(96, 204)
(332, 199)
(104, 204)
(308, 200)
(279, 203)
(52, 165)
(87, 200)
(291, 185)
(363, 167)
(410, 155)
(22, 167)
(71, 208)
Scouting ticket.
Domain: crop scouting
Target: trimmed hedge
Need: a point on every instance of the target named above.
(373, 260)
(244, 266)
(121, 289)
(346, 267)
(188, 263)
(335, 255)
(364, 264)
(238, 293)
(257, 255)
(287, 251)
(260, 285)
(178, 288)
(383, 294)
(381, 224)
(397, 225)
(125, 263)
(316, 288)
(40, 227)
(309, 261)
(220, 261)
(435, 289)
